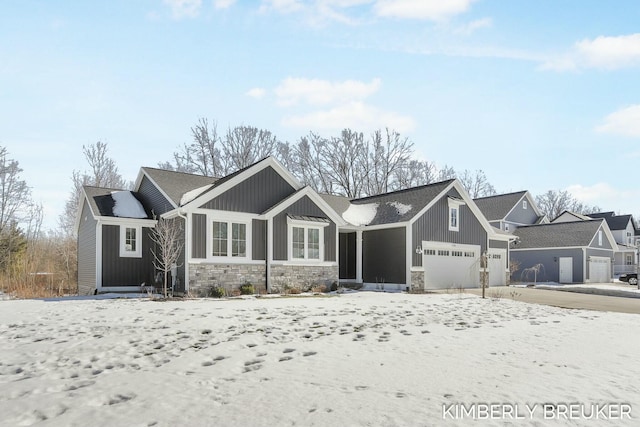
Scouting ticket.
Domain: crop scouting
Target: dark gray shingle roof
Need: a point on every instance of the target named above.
(175, 184)
(101, 201)
(615, 222)
(410, 201)
(557, 235)
(495, 208)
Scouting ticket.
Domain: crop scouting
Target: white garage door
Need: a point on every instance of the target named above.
(450, 265)
(599, 269)
(497, 262)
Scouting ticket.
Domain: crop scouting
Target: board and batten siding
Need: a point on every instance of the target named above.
(198, 236)
(549, 259)
(125, 271)
(519, 215)
(86, 252)
(153, 198)
(434, 226)
(255, 194)
(304, 206)
(384, 255)
(259, 240)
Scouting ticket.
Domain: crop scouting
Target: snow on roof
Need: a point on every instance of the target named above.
(402, 208)
(126, 205)
(360, 214)
(191, 195)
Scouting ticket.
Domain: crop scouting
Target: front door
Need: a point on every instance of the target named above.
(566, 269)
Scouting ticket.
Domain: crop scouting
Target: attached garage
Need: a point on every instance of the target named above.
(599, 269)
(450, 265)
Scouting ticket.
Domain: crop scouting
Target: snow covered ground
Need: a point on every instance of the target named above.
(356, 359)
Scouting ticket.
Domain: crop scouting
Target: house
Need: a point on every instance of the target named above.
(624, 231)
(428, 237)
(507, 212)
(258, 225)
(565, 252)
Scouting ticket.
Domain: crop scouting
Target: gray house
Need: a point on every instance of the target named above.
(509, 211)
(564, 252)
(258, 226)
(428, 237)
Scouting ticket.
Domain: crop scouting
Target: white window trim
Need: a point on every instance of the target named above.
(124, 253)
(454, 204)
(228, 258)
(599, 237)
(524, 204)
(306, 225)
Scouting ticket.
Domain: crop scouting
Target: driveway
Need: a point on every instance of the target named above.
(564, 299)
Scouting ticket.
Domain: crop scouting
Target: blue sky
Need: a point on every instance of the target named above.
(538, 94)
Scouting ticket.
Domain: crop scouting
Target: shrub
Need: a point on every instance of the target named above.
(293, 291)
(247, 289)
(320, 289)
(216, 292)
(334, 286)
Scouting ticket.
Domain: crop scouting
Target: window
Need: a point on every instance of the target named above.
(130, 245)
(306, 240)
(454, 213)
(453, 218)
(429, 251)
(305, 243)
(629, 259)
(506, 227)
(224, 244)
(219, 238)
(599, 237)
(524, 204)
(239, 240)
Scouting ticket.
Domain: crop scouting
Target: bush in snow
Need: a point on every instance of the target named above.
(216, 292)
(247, 289)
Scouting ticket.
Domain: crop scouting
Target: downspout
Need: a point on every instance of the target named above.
(267, 256)
(182, 215)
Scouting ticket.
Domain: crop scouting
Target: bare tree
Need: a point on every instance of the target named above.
(168, 246)
(476, 183)
(389, 153)
(15, 195)
(102, 172)
(554, 202)
(415, 173)
(245, 145)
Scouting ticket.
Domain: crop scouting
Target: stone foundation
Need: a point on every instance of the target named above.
(301, 277)
(417, 280)
(203, 277)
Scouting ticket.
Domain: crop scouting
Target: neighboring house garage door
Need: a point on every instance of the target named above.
(599, 269)
(450, 266)
(497, 267)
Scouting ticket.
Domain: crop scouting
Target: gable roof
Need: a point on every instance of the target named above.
(388, 208)
(560, 234)
(575, 215)
(496, 208)
(615, 222)
(102, 203)
(175, 184)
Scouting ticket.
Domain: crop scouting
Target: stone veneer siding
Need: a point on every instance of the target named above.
(417, 280)
(302, 277)
(202, 277)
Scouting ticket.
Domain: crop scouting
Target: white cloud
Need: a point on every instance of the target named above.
(223, 4)
(607, 197)
(256, 92)
(323, 92)
(433, 10)
(472, 26)
(184, 8)
(610, 52)
(354, 115)
(603, 52)
(282, 6)
(625, 121)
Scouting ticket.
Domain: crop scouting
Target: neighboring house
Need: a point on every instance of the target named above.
(624, 230)
(507, 212)
(428, 237)
(568, 216)
(565, 252)
(258, 225)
